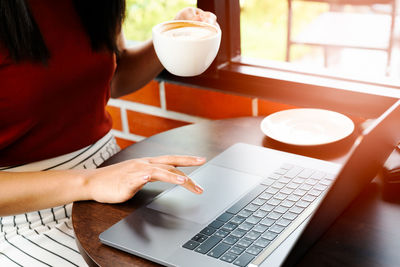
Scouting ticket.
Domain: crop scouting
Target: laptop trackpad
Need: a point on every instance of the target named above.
(222, 188)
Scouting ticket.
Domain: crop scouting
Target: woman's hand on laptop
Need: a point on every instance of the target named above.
(120, 182)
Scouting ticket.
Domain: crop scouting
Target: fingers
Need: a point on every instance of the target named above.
(169, 168)
(162, 168)
(174, 176)
(159, 174)
(196, 14)
(193, 186)
(177, 160)
(208, 17)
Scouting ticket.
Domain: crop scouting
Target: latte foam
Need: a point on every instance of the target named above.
(188, 31)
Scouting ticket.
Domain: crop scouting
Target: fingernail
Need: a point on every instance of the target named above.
(181, 179)
(198, 188)
(146, 177)
(200, 159)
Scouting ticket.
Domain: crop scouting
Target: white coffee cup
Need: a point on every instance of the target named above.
(186, 48)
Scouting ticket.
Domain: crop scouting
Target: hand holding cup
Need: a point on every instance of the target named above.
(196, 14)
(187, 47)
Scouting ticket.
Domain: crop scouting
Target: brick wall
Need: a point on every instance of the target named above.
(160, 106)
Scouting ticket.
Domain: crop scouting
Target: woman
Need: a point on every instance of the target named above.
(59, 63)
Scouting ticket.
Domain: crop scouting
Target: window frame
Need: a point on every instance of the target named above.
(279, 81)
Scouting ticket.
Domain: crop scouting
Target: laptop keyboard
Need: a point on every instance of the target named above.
(249, 226)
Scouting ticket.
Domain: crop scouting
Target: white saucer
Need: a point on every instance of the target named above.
(307, 126)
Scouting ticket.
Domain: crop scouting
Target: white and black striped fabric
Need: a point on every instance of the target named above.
(46, 237)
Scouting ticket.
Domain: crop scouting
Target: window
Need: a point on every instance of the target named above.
(253, 58)
(281, 81)
(348, 38)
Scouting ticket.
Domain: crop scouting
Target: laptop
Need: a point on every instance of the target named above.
(260, 207)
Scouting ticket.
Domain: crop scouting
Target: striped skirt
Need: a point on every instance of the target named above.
(45, 237)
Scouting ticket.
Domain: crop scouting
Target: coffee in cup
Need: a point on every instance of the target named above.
(186, 48)
(186, 30)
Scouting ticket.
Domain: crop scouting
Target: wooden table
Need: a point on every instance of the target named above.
(366, 234)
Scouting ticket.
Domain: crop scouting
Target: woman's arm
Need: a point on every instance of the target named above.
(28, 191)
(138, 65)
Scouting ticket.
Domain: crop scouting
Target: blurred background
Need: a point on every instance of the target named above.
(352, 38)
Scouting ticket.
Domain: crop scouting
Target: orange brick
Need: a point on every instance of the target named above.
(206, 103)
(148, 125)
(266, 107)
(123, 143)
(149, 94)
(115, 113)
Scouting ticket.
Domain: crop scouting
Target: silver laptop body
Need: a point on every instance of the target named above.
(258, 200)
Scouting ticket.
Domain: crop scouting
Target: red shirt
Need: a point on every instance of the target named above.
(47, 111)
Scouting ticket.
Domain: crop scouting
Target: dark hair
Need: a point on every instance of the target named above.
(21, 36)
